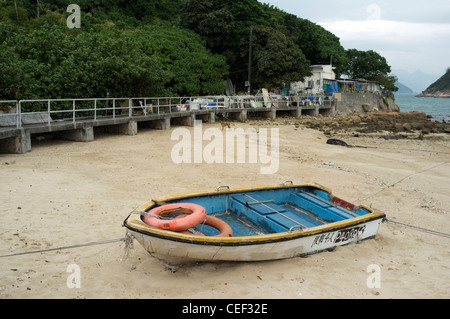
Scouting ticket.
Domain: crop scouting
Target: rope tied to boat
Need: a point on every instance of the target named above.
(430, 231)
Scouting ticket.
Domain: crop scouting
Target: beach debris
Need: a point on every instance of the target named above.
(329, 164)
(393, 137)
(335, 141)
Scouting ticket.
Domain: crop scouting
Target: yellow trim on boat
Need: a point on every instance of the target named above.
(226, 191)
(134, 220)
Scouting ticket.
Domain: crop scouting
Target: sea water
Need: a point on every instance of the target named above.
(438, 108)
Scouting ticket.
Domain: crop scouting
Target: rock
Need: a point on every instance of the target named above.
(355, 119)
(407, 127)
(398, 127)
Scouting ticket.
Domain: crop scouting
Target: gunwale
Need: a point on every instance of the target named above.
(134, 223)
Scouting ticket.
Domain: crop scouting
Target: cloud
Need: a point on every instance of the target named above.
(407, 45)
(410, 34)
(388, 31)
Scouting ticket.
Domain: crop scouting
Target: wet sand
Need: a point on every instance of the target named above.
(67, 193)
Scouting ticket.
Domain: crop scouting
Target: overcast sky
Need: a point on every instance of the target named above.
(412, 35)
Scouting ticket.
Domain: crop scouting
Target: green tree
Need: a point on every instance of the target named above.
(366, 64)
(194, 69)
(53, 62)
(225, 26)
(387, 81)
(278, 59)
(318, 44)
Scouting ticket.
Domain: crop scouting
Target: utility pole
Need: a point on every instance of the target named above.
(17, 12)
(250, 59)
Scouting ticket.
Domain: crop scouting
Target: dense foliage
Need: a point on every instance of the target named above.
(369, 65)
(155, 48)
(366, 64)
(442, 84)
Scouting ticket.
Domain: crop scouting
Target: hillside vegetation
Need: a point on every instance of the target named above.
(161, 48)
(440, 88)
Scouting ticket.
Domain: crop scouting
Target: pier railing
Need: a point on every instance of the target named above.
(23, 112)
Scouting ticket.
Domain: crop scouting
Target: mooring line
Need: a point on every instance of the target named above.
(401, 180)
(109, 241)
(419, 228)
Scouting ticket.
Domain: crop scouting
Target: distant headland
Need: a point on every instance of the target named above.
(440, 88)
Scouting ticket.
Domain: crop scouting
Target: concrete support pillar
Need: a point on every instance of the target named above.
(163, 124)
(85, 134)
(298, 112)
(240, 116)
(185, 120)
(19, 144)
(212, 117)
(316, 111)
(271, 114)
(130, 128)
(209, 117)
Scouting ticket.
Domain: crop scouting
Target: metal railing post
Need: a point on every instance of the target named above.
(114, 108)
(73, 119)
(48, 112)
(130, 105)
(18, 117)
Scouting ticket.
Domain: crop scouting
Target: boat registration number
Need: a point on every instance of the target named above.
(339, 236)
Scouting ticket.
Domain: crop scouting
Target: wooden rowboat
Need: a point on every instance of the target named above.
(268, 222)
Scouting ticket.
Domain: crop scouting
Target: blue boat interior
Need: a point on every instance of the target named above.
(273, 210)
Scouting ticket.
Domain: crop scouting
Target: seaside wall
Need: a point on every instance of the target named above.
(347, 102)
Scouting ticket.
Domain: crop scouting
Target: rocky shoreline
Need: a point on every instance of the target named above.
(438, 94)
(382, 122)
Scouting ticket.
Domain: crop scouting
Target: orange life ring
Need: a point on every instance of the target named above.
(224, 229)
(193, 215)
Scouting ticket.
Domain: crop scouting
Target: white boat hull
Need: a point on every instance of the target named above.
(174, 251)
(342, 223)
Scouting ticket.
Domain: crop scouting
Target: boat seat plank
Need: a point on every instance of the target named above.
(315, 207)
(341, 212)
(294, 219)
(303, 217)
(263, 208)
(284, 217)
(313, 200)
(285, 222)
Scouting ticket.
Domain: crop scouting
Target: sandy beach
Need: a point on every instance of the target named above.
(66, 193)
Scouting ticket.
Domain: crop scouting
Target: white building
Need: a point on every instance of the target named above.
(314, 84)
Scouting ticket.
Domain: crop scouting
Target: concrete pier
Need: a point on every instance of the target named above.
(239, 115)
(84, 134)
(18, 144)
(17, 140)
